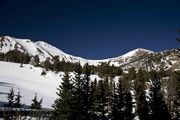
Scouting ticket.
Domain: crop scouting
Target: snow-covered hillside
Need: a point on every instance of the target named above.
(45, 50)
(28, 80)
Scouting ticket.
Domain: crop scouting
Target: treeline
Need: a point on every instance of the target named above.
(54, 64)
(104, 69)
(15, 56)
(135, 95)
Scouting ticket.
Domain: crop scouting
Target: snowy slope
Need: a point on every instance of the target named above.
(28, 78)
(29, 81)
(45, 50)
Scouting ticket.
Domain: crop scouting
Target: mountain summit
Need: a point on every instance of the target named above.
(45, 50)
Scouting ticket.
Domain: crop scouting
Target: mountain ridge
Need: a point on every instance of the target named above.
(45, 50)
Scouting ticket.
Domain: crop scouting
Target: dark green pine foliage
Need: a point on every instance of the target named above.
(10, 98)
(77, 95)
(47, 64)
(114, 106)
(102, 100)
(121, 102)
(36, 104)
(130, 76)
(104, 69)
(17, 102)
(127, 86)
(144, 110)
(88, 94)
(176, 96)
(36, 60)
(17, 57)
(94, 115)
(158, 105)
(140, 94)
(56, 65)
(117, 112)
(128, 115)
(63, 105)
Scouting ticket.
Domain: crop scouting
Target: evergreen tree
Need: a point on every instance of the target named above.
(10, 98)
(17, 100)
(36, 104)
(144, 110)
(64, 104)
(26, 58)
(77, 95)
(63, 65)
(175, 101)
(118, 102)
(114, 106)
(158, 104)
(140, 94)
(102, 100)
(56, 63)
(128, 115)
(121, 105)
(36, 60)
(127, 83)
(93, 95)
(88, 93)
(131, 74)
(47, 64)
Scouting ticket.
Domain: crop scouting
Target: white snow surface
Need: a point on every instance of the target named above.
(45, 50)
(133, 52)
(28, 80)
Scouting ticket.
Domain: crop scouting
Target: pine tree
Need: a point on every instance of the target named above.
(114, 106)
(56, 64)
(127, 86)
(144, 110)
(130, 76)
(47, 64)
(36, 60)
(118, 102)
(36, 104)
(175, 101)
(128, 115)
(77, 95)
(102, 100)
(140, 94)
(64, 104)
(10, 98)
(88, 93)
(17, 100)
(158, 104)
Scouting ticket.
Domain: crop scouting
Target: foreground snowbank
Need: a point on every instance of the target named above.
(28, 80)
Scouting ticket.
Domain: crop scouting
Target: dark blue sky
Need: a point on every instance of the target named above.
(94, 28)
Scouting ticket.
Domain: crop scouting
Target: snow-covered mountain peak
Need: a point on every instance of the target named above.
(16, 39)
(137, 52)
(40, 48)
(51, 49)
(45, 50)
